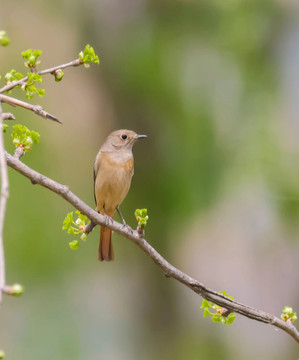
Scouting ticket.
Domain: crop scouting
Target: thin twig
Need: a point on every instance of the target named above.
(167, 268)
(3, 200)
(19, 152)
(8, 116)
(76, 62)
(13, 84)
(37, 109)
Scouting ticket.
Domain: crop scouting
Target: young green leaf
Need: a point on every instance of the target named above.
(75, 227)
(67, 221)
(30, 56)
(41, 92)
(216, 318)
(206, 312)
(31, 61)
(74, 244)
(88, 56)
(216, 311)
(141, 217)
(288, 314)
(30, 87)
(231, 318)
(23, 137)
(72, 230)
(83, 237)
(223, 292)
(12, 76)
(205, 304)
(81, 218)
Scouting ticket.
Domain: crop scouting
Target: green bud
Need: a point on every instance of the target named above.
(59, 75)
(28, 141)
(16, 142)
(2, 354)
(287, 310)
(18, 290)
(22, 136)
(14, 290)
(288, 314)
(83, 237)
(4, 39)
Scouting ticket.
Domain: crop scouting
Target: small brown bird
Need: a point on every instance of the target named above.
(113, 171)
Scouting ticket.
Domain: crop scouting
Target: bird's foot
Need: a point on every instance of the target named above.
(127, 227)
(108, 220)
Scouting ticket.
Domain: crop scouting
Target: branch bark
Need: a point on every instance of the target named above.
(3, 201)
(168, 269)
(52, 70)
(37, 109)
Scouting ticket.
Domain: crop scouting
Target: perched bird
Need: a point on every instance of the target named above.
(113, 171)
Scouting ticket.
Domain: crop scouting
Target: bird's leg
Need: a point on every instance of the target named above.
(121, 216)
(125, 225)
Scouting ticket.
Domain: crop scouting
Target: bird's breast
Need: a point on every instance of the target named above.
(113, 180)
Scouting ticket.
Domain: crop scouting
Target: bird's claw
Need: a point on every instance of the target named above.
(125, 226)
(108, 220)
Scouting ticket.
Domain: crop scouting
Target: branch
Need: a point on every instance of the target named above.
(3, 200)
(8, 116)
(167, 268)
(37, 109)
(52, 70)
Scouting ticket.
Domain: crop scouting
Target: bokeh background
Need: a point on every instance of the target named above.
(214, 85)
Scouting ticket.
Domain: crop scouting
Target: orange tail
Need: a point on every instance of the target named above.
(106, 248)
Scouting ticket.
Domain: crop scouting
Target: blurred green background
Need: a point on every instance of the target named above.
(214, 85)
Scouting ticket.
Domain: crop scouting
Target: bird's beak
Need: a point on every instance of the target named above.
(141, 136)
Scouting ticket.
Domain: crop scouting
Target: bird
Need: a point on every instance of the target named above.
(113, 171)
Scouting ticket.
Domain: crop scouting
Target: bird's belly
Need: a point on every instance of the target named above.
(111, 188)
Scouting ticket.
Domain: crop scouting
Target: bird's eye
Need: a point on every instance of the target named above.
(124, 137)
